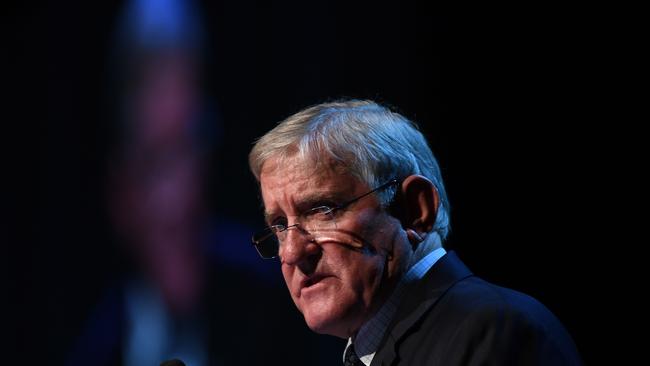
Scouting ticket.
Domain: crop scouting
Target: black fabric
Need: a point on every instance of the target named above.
(452, 317)
(351, 358)
(174, 362)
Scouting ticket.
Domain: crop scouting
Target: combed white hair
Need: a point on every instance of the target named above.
(370, 141)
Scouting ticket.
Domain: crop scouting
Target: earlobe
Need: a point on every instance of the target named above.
(413, 237)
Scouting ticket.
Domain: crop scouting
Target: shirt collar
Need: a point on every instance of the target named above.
(367, 339)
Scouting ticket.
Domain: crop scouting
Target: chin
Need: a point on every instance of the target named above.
(324, 327)
(327, 320)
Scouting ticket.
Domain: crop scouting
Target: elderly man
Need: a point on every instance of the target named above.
(357, 214)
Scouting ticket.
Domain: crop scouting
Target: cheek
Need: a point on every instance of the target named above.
(361, 276)
(287, 273)
(379, 232)
(372, 275)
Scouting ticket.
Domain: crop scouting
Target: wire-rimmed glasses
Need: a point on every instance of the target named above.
(315, 220)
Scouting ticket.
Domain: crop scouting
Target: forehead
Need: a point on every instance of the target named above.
(298, 179)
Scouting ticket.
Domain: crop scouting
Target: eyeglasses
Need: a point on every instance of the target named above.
(313, 221)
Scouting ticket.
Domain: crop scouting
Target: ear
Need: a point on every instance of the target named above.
(420, 202)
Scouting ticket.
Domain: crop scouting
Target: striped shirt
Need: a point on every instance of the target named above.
(366, 341)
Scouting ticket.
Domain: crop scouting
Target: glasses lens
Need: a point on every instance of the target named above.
(268, 248)
(266, 243)
(315, 222)
(319, 220)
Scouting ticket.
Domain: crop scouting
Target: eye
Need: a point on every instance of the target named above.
(321, 213)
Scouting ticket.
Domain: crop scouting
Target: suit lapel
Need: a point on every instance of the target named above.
(421, 296)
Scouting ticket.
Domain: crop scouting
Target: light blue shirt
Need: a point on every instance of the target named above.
(366, 341)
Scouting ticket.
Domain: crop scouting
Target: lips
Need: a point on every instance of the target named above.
(312, 280)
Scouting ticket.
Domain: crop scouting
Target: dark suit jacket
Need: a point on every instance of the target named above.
(452, 317)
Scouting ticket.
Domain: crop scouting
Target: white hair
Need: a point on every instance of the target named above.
(371, 142)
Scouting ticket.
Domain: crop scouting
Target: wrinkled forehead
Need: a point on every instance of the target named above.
(299, 166)
(304, 183)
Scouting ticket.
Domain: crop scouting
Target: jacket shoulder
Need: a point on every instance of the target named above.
(476, 322)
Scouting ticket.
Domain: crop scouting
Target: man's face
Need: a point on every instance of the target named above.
(338, 278)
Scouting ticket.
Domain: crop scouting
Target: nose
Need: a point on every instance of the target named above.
(298, 246)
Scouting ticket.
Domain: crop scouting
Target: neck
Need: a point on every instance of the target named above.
(430, 243)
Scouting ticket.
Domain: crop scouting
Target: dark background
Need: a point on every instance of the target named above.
(503, 94)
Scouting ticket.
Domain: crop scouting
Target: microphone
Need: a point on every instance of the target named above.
(173, 362)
